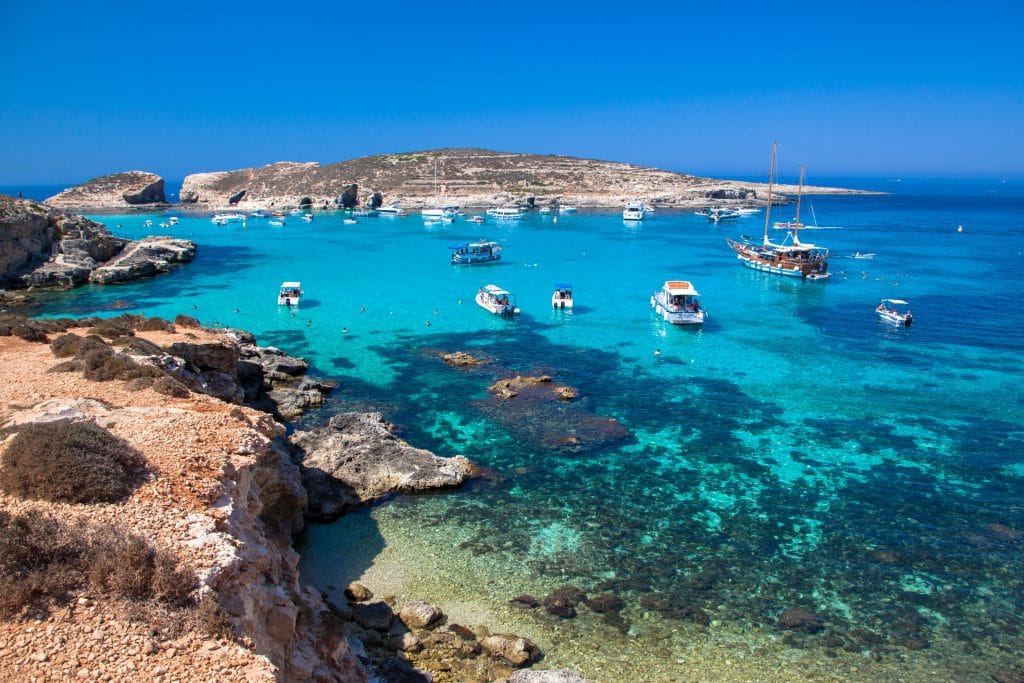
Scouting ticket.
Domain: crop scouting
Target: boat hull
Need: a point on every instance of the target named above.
(474, 259)
(895, 318)
(676, 315)
(489, 305)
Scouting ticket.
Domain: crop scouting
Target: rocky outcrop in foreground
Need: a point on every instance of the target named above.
(469, 177)
(355, 458)
(41, 247)
(133, 189)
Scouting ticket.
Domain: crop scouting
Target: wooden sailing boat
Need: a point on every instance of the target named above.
(791, 257)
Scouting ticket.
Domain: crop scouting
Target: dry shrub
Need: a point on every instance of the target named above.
(70, 462)
(29, 332)
(154, 325)
(186, 321)
(66, 345)
(170, 387)
(121, 326)
(114, 366)
(44, 560)
(139, 383)
(210, 618)
(66, 366)
(40, 560)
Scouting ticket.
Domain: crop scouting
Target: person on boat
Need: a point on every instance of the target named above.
(881, 307)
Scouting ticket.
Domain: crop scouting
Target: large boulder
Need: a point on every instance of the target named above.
(515, 650)
(355, 458)
(143, 258)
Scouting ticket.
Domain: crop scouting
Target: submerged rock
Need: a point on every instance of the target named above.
(509, 389)
(548, 676)
(355, 458)
(515, 650)
(461, 359)
(799, 619)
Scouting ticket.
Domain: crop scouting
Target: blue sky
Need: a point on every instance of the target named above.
(866, 88)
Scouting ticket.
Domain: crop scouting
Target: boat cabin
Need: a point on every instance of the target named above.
(475, 252)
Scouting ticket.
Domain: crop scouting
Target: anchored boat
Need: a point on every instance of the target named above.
(476, 252)
(562, 296)
(289, 294)
(634, 211)
(677, 302)
(496, 300)
(895, 311)
(791, 257)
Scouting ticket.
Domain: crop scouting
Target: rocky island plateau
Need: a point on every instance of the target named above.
(466, 177)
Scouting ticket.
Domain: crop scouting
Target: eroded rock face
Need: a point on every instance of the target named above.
(117, 191)
(355, 458)
(41, 247)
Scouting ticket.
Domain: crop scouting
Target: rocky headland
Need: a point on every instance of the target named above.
(163, 516)
(45, 247)
(129, 190)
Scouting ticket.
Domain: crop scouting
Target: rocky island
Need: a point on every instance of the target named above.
(129, 190)
(44, 247)
(467, 177)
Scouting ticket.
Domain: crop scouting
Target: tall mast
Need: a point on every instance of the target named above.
(799, 194)
(768, 210)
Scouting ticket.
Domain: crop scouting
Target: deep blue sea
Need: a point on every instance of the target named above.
(795, 452)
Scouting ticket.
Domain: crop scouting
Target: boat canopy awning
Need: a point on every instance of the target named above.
(495, 290)
(680, 288)
(563, 285)
(291, 285)
(898, 302)
(455, 247)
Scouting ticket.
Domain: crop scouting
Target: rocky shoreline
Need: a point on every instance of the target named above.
(44, 247)
(472, 178)
(224, 494)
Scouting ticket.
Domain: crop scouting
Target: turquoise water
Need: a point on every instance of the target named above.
(795, 452)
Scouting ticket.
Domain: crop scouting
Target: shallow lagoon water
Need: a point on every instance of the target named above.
(796, 452)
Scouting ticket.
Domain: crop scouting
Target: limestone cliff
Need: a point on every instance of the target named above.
(43, 247)
(470, 177)
(223, 497)
(117, 191)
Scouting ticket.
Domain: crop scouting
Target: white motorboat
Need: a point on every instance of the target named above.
(173, 220)
(440, 213)
(506, 213)
(289, 294)
(895, 311)
(477, 219)
(677, 302)
(308, 217)
(634, 211)
(545, 210)
(391, 210)
(861, 255)
(562, 296)
(366, 213)
(717, 214)
(276, 223)
(295, 212)
(496, 300)
(567, 209)
(225, 218)
(349, 221)
(147, 224)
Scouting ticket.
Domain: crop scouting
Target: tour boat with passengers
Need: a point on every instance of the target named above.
(506, 213)
(895, 311)
(289, 294)
(678, 302)
(496, 300)
(790, 257)
(475, 252)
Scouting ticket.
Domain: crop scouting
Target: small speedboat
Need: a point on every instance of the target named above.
(349, 221)
(718, 214)
(567, 209)
(545, 210)
(173, 220)
(496, 300)
(289, 294)
(858, 254)
(366, 213)
(677, 302)
(477, 219)
(276, 223)
(391, 210)
(562, 296)
(895, 311)
(308, 217)
(147, 224)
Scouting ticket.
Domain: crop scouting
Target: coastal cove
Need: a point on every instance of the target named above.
(795, 453)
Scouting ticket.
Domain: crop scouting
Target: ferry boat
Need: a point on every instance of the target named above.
(496, 300)
(391, 210)
(506, 213)
(562, 296)
(895, 311)
(289, 294)
(791, 257)
(476, 252)
(634, 211)
(677, 302)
